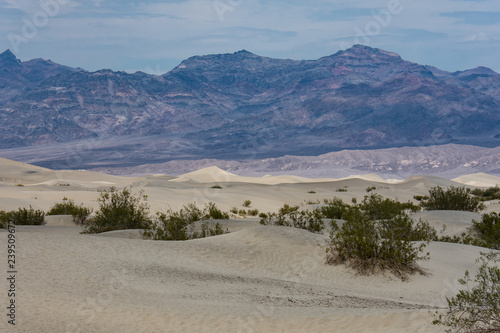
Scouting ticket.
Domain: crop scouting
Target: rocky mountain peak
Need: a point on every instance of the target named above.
(8, 58)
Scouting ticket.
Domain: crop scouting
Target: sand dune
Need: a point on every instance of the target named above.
(254, 279)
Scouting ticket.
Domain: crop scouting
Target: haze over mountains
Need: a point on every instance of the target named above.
(241, 106)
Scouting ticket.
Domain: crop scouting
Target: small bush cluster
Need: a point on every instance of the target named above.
(369, 245)
(68, 207)
(476, 309)
(118, 211)
(491, 193)
(291, 216)
(333, 208)
(484, 233)
(180, 225)
(378, 207)
(452, 198)
(23, 216)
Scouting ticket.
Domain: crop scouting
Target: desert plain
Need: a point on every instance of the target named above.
(253, 279)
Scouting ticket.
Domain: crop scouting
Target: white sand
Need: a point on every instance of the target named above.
(254, 279)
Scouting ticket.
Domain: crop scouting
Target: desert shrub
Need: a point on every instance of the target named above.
(209, 229)
(23, 216)
(192, 213)
(287, 209)
(488, 230)
(234, 210)
(370, 188)
(491, 193)
(378, 207)
(263, 215)
(453, 198)
(168, 226)
(247, 203)
(290, 216)
(369, 246)
(333, 208)
(217, 187)
(180, 225)
(118, 211)
(253, 212)
(242, 212)
(311, 192)
(476, 309)
(420, 197)
(341, 190)
(212, 212)
(68, 207)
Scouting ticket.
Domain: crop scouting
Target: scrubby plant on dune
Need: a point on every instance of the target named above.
(118, 210)
(378, 207)
(23, 216)
(80, 213)
(180, 225)
(476, 309)
(370, 246)
(452, 198)
(291, 216)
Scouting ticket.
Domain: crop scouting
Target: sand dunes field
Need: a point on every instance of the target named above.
(254, 279)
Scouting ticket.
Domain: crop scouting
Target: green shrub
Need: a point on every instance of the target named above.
(253, 212)
(379, 208)
(212, 212)
(492, 193)
(242, 212)
(370, 188)
(290, 216)
(68, 207)
(453, 198)
(118, 211)
(247, 203)
(217, 187)
(334, 208)
(341, 190)
(234, 210)
(476, 309)
(488, 230)
(23, 216)
(311, 192)
(370, 246)
(179, 225)
(209, 229)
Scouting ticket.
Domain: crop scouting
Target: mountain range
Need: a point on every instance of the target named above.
(240, 106)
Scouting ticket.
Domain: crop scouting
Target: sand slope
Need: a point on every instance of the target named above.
(269, 279)
(255, 279)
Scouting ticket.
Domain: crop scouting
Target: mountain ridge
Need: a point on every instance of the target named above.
(239, 104)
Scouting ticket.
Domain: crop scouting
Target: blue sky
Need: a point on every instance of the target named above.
(154, 36)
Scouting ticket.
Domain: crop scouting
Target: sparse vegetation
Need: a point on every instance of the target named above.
(487, 231)
(253, 212)
(370, 188)
(23, 216)
(291, 216)
(180, 225)
(379, 207)
(312, 192)
(370, 246)
(68, 207)
(491, 193)
(333, 208)
(118, 210)
(218, 187)
(341, 190)
(452, 198)
(476, 309)
(247, 203)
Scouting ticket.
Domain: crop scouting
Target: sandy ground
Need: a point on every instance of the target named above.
(254, 279)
